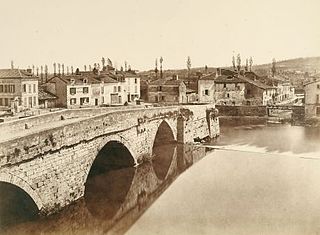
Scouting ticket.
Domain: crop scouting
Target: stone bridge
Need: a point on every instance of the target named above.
(51, 164)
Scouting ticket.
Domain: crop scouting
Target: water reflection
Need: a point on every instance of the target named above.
(16, 206)
(116, 195)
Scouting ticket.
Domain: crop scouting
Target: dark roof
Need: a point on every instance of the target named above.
(15, 73)
(211, 76)
(166, 81)
(45, 95)
(228, 79)
(256, 83)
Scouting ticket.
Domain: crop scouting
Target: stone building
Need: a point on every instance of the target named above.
(87, 89)
(229, 90)
(18, 89)
(206, 88)
(167, 90)
(312, 99)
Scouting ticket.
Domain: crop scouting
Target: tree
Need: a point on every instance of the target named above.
(161, 73)
(238, 62)
(156, 67)
(233, 63)
(247, 65)
(273, 69)
(188, 65)
(250, 63)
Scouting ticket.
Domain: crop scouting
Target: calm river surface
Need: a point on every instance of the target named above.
(258, 180)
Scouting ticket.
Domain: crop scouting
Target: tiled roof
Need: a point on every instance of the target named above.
(14, 73)
(211, 76)
(166, 81)
(45, 95)
(256, 83)
(228, 79)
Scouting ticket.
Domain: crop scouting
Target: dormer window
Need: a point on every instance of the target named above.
(85, 81)
(72, 81)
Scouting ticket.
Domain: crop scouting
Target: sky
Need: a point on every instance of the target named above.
(79, 32)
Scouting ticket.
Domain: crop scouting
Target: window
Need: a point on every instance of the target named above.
(29, 88)
(1, 102)
(73, 101)
(1, 88)
(135, 89)
(34, 101)
(318, 111)
(114, 89)
(318, 86)
(85, 81)
(163, 98)
(25, 102)
(34, 88)
(72, 81)
(317, 99)
(206, 92)
(84, 100)
(24, 88)
(225, 85)
(159, 88)
(135, 81)
(85, 90)
(12, 89)
(102, 90)
(73, 91)
(6, 102)
(228, 95)
(119, 88)
(5, 88)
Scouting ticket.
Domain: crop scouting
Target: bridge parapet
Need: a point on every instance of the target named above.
(55, 162)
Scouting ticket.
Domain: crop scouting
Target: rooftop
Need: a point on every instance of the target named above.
(14, 73)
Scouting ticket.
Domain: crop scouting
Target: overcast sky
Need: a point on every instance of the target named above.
(78, 32)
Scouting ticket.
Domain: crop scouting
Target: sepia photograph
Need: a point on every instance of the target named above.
(171, 117)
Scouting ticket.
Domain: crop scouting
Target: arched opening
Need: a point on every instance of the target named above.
(16, 206)
(109, 180)
(163, 150)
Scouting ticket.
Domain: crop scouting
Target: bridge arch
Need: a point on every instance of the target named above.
(109, 178)
(22, 184)
(163, 149)
(165, 129)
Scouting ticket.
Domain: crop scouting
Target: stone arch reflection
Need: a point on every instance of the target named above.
(109, 180)
(16, 206)
(163, 150)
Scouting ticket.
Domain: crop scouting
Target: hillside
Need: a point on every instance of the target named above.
(309, 64)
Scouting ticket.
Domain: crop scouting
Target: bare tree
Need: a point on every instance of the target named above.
(161, 73)
(188, 65)
(233, 63)
(247, 65)
(238, 62)
(250, 63)
(156, 67)
(273, 69)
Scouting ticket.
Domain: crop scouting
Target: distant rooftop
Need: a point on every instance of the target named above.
(15, 73)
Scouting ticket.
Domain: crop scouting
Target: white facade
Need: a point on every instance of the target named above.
(132, 88)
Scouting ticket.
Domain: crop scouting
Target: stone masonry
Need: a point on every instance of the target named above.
(52, 165)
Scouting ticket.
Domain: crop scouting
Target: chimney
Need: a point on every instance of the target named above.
(12, 66)
(67, 70)
(62, 69)
(46, 72)
(37, 71)
(72, 70)
(85, 68)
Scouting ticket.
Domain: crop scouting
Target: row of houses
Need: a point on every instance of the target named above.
(223, 87)
(21, 90)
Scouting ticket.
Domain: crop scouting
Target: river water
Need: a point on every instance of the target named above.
(257, 180)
